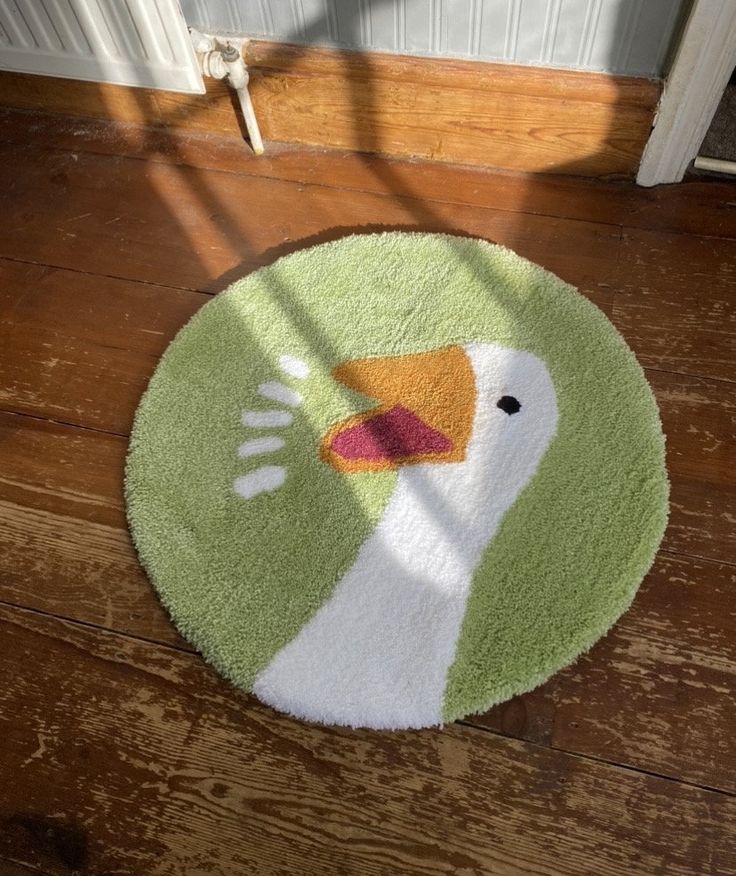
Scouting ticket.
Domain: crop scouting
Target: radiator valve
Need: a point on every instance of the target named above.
(225, 61)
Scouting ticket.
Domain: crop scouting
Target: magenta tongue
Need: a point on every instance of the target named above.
(394, 434)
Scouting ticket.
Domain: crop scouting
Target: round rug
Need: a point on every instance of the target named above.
(392, 480)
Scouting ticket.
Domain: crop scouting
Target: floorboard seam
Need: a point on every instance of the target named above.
(151, 283)
(463, 723)
(90, 625)
(51, 147)
(591, 757)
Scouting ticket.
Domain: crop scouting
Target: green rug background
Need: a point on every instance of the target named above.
(240, 578)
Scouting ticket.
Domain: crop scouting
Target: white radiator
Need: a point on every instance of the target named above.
(129, 42)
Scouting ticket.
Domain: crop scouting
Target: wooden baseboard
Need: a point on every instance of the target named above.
(491, 115)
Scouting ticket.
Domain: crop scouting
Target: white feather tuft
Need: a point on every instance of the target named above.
(294, 367)
(279, 392)
(266, 419)
(267, 444)
(263, 480)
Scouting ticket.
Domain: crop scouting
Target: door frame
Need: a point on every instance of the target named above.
(703, 63)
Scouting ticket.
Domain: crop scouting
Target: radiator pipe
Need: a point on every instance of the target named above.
(715, 165)
(227, 63)
(237, 76)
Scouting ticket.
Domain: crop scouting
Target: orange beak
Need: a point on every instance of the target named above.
(425, 412)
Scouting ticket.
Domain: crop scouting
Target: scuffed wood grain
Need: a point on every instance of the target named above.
(699, 421)
(195, 229)
(64, 544)
(12, 868)
(696, 206)
(52, 467)
(510, 79)
(676, 302)
(114, 314)
(85, 345)
(64, 550)
(175, 772)
(498, 115)
(658, 690)
(87, 745)
(127, 756)
(74, 381)
(527, 119)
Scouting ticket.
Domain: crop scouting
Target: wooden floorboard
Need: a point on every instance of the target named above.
(145, 225)
(65, 548)
(675, 302)
(699, 420)
(693, 207)
(194, 229)
(65, 551)
(66, 337)
(126, 750)
(168, 769)
(657, 693)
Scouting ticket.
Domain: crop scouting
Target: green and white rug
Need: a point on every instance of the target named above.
(393, 480)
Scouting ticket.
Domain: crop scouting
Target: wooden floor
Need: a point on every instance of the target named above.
(122, 753)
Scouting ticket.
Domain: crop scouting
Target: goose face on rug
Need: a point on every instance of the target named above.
(466, 427)
(350, 486)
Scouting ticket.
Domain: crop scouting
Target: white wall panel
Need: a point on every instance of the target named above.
(619, 36)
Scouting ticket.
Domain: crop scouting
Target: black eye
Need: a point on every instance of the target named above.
(509, 404)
